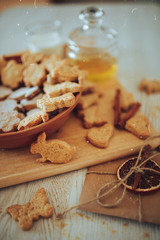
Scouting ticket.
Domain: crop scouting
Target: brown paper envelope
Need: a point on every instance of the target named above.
(129, 207)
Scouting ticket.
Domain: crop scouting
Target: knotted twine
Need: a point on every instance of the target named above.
(137, 168)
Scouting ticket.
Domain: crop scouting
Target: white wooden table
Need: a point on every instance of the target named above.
(139, 42)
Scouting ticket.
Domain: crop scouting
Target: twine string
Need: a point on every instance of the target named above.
(100, 173)
(139, 208)
(135, 169)
(117, 202)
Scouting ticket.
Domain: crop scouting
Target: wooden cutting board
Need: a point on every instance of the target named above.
(19, 165)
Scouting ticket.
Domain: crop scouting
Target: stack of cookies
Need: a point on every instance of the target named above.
(34, 88)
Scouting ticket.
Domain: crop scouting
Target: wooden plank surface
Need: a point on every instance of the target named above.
(19, 165)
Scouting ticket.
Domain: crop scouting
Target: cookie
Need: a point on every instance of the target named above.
(50, 80)
(88, 100)
(3, 63)
(32, 92)
(24, 92)
(12, 74)
(61, 88)
(32, 111)
(51, 104)
(4, 92)
(30, 121)
(53, 150)
(9, 121)
(45, 116)
(139, 125)
(64, 72)
(34, 75)
(30, 104)
(94, 115)
(101, 114)
(82, 76)
(27, 213)
(149, 87)
(9, 105)
(88, 116)
(21, 115)
(100, 136)
(29, 58)
(88, 87)
(50, 62)
(126, 100)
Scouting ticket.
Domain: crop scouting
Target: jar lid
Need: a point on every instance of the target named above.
(91, 14)
(92, 34)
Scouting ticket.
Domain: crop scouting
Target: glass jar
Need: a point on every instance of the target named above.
(45, 36)
(93, 47)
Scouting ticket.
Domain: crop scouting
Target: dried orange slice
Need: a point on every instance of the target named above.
(148, 181)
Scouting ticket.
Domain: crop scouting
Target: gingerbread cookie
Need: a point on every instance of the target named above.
(88, 116)
(94, 115)
(88, 87)
(34, 75)
(126, 100)
(101, 114)
(45, 116)
(12, 74)
(53, 150)
(50, 62)
(27, 213)
(24, 92)
(3, 63)
(51, 104)
(61, 88)
(30, 121)
(9, 105)
(4, 92)
(32, 111)
(82, 76)
(31, 104)
(29, 58)
(9, 121)
(64, 72)
(32, 92)
(100, 136)
(88, 100)
(149, 87)
(139, 125)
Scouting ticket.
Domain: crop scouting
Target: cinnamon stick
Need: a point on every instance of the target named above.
(117, 108)
(129, 114)
(137, 177)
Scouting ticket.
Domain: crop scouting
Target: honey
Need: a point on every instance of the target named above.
(93, 47)
(99, 69)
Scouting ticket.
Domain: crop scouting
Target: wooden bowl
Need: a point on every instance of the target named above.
(25, 137)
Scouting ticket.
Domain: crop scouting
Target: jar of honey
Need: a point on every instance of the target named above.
(93, 47)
